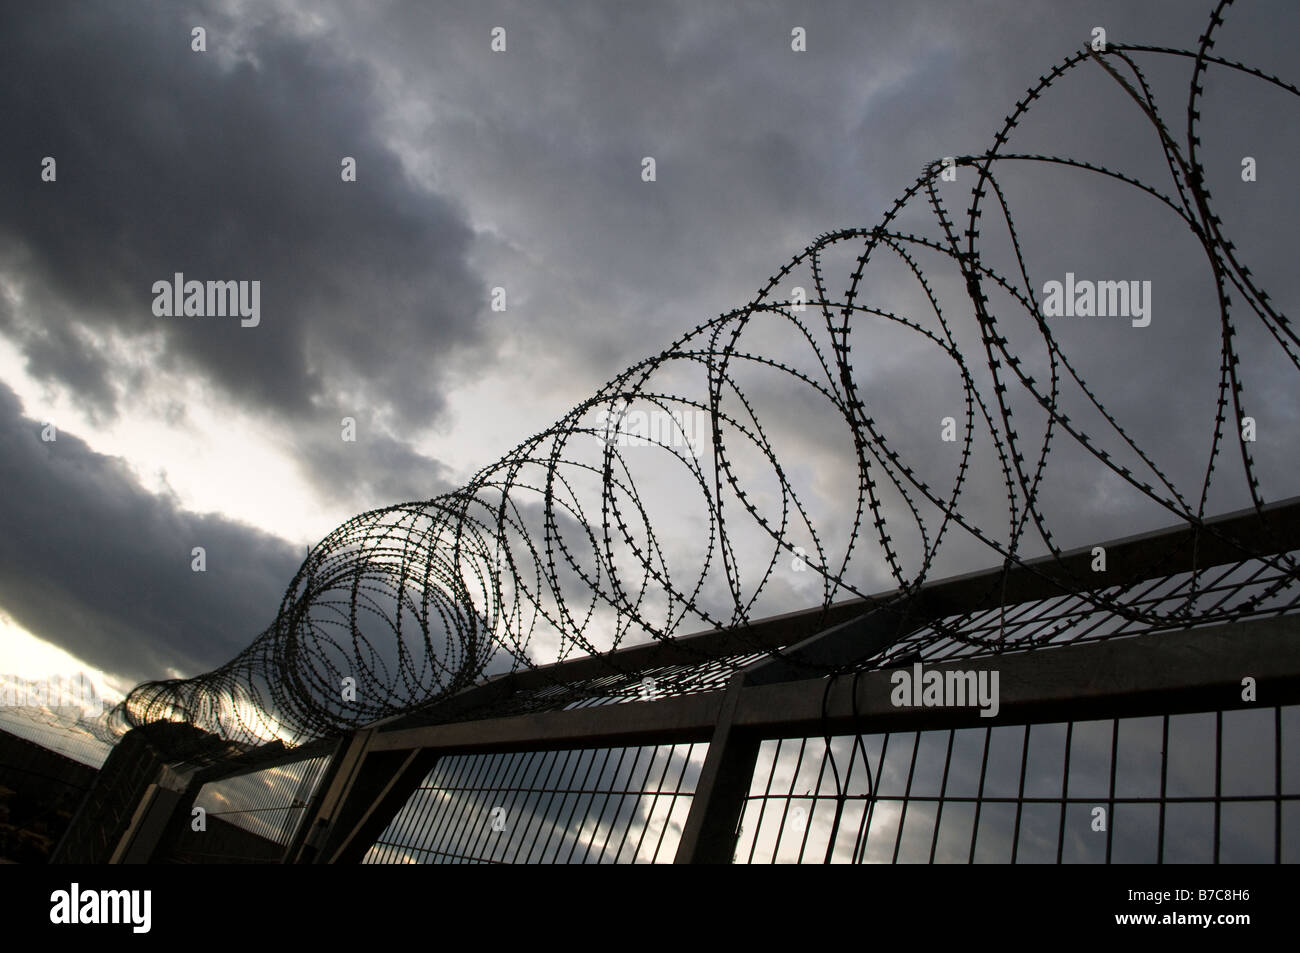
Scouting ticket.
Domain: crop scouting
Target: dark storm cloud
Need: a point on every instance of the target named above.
(220, 166)
(94, 563)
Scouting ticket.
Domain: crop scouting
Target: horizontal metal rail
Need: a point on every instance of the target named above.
(1162, 672)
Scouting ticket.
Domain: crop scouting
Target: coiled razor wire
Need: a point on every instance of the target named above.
(556, 550)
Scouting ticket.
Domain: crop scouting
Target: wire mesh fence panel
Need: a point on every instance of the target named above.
(1209, 787)
(579, 806)
(269, 802)
(68, 736)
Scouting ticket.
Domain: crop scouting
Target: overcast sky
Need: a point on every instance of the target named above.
(522, 169)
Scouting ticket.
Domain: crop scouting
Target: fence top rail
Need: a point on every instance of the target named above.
(271, 755)
(1195, 670)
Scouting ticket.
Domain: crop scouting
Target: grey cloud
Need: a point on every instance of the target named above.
(94, 563)
(375, 469)
(175, 161)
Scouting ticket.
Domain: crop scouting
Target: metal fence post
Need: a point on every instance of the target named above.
(709, 836)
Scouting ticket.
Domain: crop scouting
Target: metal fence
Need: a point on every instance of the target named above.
(1112, 739)
(590, 806)
(1191, 788)
(270, 802)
